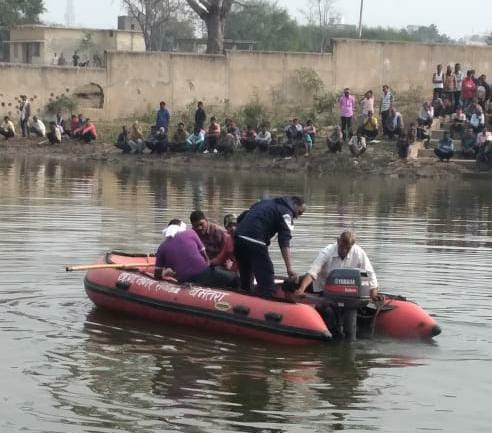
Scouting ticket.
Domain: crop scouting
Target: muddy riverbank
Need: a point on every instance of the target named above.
(380, 159)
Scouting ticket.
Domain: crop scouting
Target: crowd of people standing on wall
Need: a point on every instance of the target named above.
(77, 60)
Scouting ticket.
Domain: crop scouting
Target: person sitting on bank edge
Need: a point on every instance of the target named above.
(248, 140)
(294, 131)
(335, 140)
(195, 141)
(157, 140)
(86, 130)
(357, 144)
(183, 252)
(212, 235)
(212, 136)
(469, 144)
(255, 229)
(180, 136)
(263, 139)
(394, 123)
(370, 126)
(122, 141)
(458, 124)
(7, 129)
(445, 148)
(38, 128)
(54, 134)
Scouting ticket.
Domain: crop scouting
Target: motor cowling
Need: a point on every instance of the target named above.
(347, 287)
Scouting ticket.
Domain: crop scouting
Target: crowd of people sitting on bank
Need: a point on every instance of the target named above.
(214, 137)
(78, 128)
(465, 100)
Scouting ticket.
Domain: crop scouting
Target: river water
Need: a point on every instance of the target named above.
(68, 367)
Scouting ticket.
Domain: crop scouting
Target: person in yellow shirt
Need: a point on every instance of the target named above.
(369, 128)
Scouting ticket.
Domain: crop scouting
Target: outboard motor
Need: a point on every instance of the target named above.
(347, 289)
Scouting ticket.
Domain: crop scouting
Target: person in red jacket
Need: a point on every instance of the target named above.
(468, 89)
(226, 258)
(88, 132)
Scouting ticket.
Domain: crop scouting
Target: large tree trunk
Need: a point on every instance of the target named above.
(215, 30)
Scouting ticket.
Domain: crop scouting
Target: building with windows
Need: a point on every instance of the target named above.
(43, 45)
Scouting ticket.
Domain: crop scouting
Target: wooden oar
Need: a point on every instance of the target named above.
(109, 266)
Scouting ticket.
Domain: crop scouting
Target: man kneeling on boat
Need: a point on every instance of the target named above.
(344, 253)
(183, 252)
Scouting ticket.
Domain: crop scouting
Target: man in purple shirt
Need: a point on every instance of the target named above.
(184, 253)
(347, 106)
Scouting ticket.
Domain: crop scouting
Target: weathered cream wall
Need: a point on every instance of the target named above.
(269, 76)
(363, 65)
(43, 84)
(135, 82)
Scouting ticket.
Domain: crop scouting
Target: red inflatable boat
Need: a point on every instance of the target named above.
(135, 292)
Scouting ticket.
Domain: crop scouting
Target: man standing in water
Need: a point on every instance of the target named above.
(255, 229)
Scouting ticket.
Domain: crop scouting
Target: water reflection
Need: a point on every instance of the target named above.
(188, 380)
(62, 360)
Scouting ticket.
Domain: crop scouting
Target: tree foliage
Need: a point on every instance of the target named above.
(273, 28)
(214, 14)
(14, 12)
(264, 22)
(160, 21)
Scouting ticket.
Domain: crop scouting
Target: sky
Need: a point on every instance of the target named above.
(450, 16)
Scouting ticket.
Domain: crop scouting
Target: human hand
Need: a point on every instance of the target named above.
(291, 274)
(168, 272)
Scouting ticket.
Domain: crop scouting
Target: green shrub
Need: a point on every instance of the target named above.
(64, 104)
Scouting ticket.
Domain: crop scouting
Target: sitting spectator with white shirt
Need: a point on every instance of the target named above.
(357, 144)
(477, 119)
(7, 129)
(54, 134)
(426, 115)
(38, 127)
(263, 139)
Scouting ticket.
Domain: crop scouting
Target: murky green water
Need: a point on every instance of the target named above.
(67, 367)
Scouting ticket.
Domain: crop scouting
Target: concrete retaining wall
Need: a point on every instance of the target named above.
(136, 82)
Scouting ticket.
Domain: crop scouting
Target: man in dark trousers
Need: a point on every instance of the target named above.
(200, 116)
(255, 229)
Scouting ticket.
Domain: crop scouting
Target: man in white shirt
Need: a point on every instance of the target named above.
(344, 253)
(38, 127)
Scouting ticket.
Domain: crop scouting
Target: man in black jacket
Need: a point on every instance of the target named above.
(255, 229)
(200, 116)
